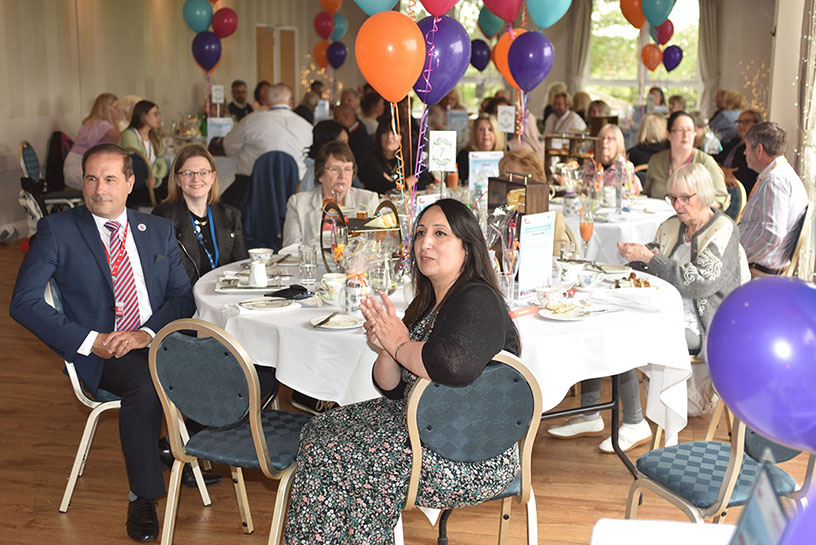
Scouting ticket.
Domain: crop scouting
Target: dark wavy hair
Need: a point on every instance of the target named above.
(324, 132)
(477, 265)
(137, 121)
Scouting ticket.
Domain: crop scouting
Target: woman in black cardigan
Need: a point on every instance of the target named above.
(209, 233)
(378, 169)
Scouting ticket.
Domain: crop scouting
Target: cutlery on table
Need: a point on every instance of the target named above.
(325, 320)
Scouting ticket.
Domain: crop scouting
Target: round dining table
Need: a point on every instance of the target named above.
(639, 224)
(644, 331)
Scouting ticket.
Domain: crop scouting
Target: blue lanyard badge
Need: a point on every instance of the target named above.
(197, 231)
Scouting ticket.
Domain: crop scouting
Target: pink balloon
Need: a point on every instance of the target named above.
(324, 24)
(438, 8)
(504, 9)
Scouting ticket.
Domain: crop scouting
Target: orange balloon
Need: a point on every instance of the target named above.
(331, 6)
(633, 11)
(320, 54)
(651, 56)
(500, 52)
(390, 53)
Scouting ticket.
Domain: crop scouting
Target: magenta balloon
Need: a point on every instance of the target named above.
(337, 54)
(446, 66)
(530, 59)
(672, 56)
(206, 50)
(479, 54)
(762, 357)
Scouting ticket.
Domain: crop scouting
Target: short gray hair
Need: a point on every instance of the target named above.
(695, 178)
(280, 93)
(770, 135)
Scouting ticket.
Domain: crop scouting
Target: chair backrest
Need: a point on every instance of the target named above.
(640, 172)
(141, 173)
(801, 263)
(29, 162)
(263, 208)
(757, 446)
(478, 421)
(208, 378)
(58, 147)
(35, 209)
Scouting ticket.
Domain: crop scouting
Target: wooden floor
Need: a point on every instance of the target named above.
(41, 422)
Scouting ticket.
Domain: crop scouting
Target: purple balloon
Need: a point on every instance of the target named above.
(207, 50)
(762, 357)
(530, 59)
(672, 56)
(802, 528)
(445, 67)
(479, 54)
(337, 54)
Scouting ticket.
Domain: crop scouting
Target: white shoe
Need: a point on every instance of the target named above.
(629, 437)
(578, 426)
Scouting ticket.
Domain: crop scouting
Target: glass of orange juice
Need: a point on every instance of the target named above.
(586, 227)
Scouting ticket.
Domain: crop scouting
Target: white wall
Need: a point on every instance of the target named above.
(784, 89)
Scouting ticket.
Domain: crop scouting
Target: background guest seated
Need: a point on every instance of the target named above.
(732, 157)
(98, 128)
(484, 136)
(143, 137)
(610, 154)
(324, 132)
(352, 466)
(378, 171)
(651, 138)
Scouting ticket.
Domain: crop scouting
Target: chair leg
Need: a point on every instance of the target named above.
(442, 536)
(81, 455)
(243, 501)
(715, 421)
(633, 500)
(88, 446)
(532, 521)
(281, 503)
(504, 522)
(202, 488)
(170, 510)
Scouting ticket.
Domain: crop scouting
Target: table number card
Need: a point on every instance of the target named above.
(442, 149)
(458, 121)
(536, 240)
(217, 94)
(507, 118)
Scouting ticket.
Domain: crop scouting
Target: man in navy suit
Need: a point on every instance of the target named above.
(80, 249)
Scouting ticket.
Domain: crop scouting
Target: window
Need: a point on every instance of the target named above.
(614, 56)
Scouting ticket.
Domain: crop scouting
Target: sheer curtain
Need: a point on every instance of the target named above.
(579, 51)
(806, 160)
(709, 54)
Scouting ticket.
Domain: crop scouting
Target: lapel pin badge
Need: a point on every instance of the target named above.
(141, 227)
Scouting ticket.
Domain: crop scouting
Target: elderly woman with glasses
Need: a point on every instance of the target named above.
(334, 169)
(209, 233)
(681, 132)
(698, 252)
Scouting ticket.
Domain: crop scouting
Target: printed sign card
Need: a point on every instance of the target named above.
(536, 240)
(442, 149)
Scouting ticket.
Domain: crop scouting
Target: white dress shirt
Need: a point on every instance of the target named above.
(145, 310)
(277, 129)
(569, 122)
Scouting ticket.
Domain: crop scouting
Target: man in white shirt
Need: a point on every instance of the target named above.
(563, 119)
(120, 278)
(277, 129)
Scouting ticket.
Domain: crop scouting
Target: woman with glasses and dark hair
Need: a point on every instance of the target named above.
(352, 466)
(698, 252)
(681, 131)
(334, 169)
(209, 233)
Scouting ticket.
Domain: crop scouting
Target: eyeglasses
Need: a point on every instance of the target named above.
(337, 171)
(745, 122)
(188, 175)
(681, 199)
(681, 131)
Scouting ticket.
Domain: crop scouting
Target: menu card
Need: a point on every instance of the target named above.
(536, 240)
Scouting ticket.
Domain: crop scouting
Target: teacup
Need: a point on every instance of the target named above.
(332, 282)
(554, 294)
(568, 271)
(590, 279)
(263, 255)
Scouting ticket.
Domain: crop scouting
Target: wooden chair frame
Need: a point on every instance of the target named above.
(527, 497)
(743, 200)
(177, 434)
(807, 231)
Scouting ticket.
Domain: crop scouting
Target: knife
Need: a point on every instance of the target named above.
(325, 320)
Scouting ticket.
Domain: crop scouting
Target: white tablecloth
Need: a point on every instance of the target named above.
(639, 225)
(648, 532)
(336, 365)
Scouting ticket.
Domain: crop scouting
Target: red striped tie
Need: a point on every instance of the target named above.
(124, 286)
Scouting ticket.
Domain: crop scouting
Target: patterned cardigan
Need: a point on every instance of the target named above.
(714, 270)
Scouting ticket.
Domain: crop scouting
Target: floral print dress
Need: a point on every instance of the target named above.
(353, 467)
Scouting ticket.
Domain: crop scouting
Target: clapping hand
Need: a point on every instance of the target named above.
(383, 327)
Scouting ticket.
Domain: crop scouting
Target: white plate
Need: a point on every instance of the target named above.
(557, 200)
(572, 316)
(339, 321)
(232, 285)
(267, 303)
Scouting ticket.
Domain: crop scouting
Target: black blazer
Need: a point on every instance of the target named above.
(229, 234)
(744, 173)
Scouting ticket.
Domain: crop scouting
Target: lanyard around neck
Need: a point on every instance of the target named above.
(197, 231)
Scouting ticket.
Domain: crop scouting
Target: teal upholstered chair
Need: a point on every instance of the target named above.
(706, 478)
(210, 379)
(472, 423)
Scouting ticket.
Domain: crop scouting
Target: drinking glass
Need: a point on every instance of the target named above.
(379, 277)
(586, 227)
(507, 283)
(307, 266)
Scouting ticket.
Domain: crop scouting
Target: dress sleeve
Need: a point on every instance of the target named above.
(470, 329)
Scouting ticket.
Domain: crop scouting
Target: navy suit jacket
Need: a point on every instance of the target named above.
(68, 249)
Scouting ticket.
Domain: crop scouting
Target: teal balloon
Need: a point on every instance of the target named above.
(657, 11)
(198, 14)
(340, 27)
(546, 13)
(489, 23)
(375, 6)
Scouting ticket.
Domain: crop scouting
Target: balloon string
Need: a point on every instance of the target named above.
(334, 87)
(429, 65)
(423, 136)
(207, 100)
(400, 182)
